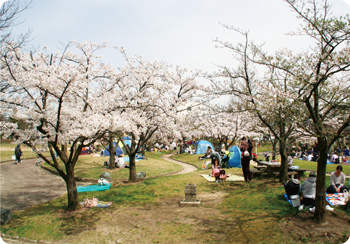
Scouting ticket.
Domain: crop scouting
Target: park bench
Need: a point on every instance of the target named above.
(291, 174)
(300, 172)
(255, 172)
(260, 167)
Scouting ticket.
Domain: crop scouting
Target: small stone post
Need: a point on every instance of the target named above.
(190, 196)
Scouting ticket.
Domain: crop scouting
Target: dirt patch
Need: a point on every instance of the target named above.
(134, 224)
(304, 229)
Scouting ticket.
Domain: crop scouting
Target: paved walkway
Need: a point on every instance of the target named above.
(26, 185)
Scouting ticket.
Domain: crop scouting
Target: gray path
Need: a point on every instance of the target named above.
(186, 168)
(27, 185)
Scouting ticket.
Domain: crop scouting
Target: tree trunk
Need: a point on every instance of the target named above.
(284, 163)
(182, 146)
(320, 214)
(64, 148)
(274, 149)
(111, 152)
(73, 199)
(132, 169)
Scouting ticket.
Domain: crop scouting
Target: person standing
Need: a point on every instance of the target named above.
(245, 160)
(18, 154)
(244, 144)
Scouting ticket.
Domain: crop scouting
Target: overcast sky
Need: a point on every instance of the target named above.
(180, 32)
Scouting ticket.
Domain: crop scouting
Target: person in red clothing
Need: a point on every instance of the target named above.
(245, 161)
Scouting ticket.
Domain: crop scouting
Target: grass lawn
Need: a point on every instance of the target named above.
(148, 211)
(8, 149)
(91, 167)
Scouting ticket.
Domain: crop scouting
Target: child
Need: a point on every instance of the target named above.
(223, 175)
(216, 170)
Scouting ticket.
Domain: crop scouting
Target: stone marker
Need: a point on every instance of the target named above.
(190, 196)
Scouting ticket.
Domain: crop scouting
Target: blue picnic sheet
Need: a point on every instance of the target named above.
(332, 199)
(93, 188)
(335, 199)
(285, 195)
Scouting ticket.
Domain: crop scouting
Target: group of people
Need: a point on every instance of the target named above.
(307, 190)
(337, 156)
(246, 148)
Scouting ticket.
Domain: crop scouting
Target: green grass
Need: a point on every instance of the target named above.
(250, 209)
(91, 167)
(8, 149)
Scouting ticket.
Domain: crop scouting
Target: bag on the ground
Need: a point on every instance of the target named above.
(206, 164)
(5, 215)
(90, 202)
(102, 182)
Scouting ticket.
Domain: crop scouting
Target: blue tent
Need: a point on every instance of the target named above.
(235, 157)
(202, 146)
(120, 148)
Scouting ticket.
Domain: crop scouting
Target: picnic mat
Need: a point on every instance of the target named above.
(93, 188)
(100, 204)
(285, 195)
(332, 199)
(335, 199)
(229, 178)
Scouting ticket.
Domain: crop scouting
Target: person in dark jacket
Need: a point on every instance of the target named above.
(245, 161)
(18, 154)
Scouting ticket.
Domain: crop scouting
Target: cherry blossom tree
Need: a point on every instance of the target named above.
(222, 123)
(315, 82)
(52, 92)
(267, 96)
(145, 97)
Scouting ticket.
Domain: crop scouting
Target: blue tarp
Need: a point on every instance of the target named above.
(202, 146)
(235, 157)
(93, 188)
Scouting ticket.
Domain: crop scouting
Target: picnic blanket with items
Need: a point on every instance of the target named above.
(229, 177)
(102, 185)
(336, 199)
(94, 202)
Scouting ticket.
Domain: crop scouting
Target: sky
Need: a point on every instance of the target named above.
(180, 32)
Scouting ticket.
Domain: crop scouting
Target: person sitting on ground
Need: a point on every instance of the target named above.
(292, 187)
(310, 156)
(120, 163)
(216, 170)
(225, 159)
(308, 191)
(335, 158)
(337, 181)
(346, 152)
(315, 157)
(207, 153)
